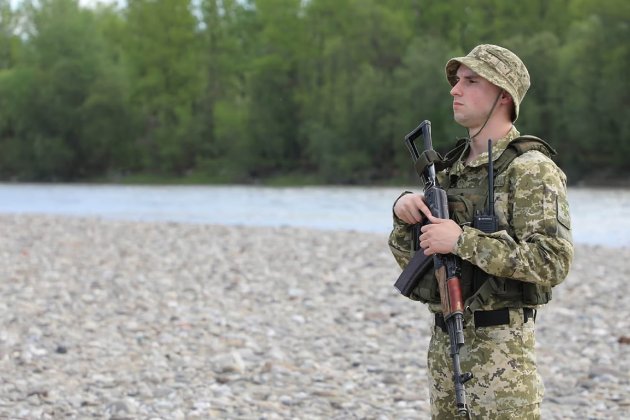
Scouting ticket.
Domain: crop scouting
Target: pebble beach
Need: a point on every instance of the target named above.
(157, 320)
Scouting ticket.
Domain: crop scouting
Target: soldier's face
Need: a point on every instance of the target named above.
(473, 97)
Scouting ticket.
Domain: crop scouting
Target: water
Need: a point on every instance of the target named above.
(598, 216)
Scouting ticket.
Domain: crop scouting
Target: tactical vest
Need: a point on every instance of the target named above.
(478, 288)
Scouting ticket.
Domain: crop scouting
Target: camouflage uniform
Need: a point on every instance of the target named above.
(533, 245)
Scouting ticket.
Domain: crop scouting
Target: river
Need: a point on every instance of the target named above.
(599, 216)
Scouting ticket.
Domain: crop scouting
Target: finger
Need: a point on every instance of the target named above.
(435, 220)
(413, 214)
(411, 220)
(425, 210)
(419, 205)
(417, 216)
(410, 216)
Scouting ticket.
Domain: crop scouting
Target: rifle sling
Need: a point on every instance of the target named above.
(426, 158)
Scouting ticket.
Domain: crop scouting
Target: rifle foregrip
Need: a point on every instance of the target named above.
(450, 293)
(454, 287)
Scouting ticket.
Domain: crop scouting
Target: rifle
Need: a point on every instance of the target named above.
(446, 267)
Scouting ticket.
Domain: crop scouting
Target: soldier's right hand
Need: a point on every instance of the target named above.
(411, 208)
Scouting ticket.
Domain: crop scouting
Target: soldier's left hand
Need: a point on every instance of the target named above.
(440, 236)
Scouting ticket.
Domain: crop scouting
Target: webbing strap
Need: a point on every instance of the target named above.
(517, 147)
(426, 158)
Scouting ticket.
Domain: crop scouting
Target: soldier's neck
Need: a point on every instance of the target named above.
(479, 143)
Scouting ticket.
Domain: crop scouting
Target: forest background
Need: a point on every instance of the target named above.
(293, 91)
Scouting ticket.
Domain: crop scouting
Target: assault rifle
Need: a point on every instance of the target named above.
(447, 269)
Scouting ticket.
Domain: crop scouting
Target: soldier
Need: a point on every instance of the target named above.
(508, 274)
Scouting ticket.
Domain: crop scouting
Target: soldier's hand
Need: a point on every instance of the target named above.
(411, 208)
(440, 236)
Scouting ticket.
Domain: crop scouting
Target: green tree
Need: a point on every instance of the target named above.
(9, 40)
(272, 81)
(247, 90)
(354, 49)
(539, 51)
(161, 47)
(229, 39)
(592, 91)
(55, 125)
(422, 92)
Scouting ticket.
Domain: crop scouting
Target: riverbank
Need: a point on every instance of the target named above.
(598, 180)
(139, 320)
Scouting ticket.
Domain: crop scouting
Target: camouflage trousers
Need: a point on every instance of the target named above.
(505, 383)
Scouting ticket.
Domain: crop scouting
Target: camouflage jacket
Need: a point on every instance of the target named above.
(530, 203)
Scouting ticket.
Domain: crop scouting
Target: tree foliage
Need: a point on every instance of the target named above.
(241, 91)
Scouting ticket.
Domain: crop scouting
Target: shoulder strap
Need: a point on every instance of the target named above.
(516, 147)
(521, 145)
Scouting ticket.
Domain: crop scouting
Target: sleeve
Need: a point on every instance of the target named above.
(540, 248)
(400, 238)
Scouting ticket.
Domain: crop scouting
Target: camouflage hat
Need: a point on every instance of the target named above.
(499, 66)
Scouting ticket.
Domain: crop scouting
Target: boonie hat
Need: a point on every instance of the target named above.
(499, 66)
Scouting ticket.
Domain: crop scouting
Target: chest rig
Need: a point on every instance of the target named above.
(480, 290)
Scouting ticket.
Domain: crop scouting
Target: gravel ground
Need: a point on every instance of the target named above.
(128, 320)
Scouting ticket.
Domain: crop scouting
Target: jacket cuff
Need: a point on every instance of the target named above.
(466, 243)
